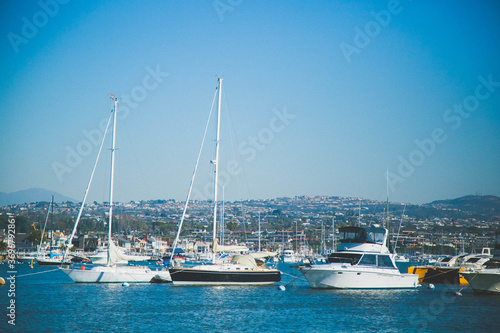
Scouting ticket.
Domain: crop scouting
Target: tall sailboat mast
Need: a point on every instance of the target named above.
(113, 145)
(51, 223)
(387, 214)
(216, 162)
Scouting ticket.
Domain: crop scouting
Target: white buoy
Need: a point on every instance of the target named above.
(282, 288)
(458, 293)
(125, 284)
(430, 286)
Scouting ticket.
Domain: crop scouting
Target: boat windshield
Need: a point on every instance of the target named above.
(362, 235)
(472, 260)
(376, 260)
(346, 258)
(384, 261)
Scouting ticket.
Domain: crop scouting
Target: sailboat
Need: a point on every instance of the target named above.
(242, 269)
(111, 273)
(54, 259)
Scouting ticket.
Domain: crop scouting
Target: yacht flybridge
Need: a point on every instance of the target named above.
(362, 261)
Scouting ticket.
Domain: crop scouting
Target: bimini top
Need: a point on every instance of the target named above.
(362, 235)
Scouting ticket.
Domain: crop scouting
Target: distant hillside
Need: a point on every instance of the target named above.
(488, 205)
(31, 195)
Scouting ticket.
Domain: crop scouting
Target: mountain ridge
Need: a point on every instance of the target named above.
(31, 195)
(478, 204)
(488, 205)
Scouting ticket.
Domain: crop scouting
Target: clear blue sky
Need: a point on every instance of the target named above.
(322, 97)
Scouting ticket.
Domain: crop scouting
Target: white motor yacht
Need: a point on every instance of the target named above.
(362, 261)
(486, 278)
(289, 256)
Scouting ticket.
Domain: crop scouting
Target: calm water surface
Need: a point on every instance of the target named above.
(51, 302)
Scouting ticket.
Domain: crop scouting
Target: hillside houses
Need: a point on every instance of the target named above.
(150, 226)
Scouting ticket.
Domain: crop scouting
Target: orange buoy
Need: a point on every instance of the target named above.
(82, 268)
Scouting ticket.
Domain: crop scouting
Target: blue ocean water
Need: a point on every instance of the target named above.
(51, 302)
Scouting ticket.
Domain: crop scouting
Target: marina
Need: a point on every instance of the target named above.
(66, 306)
(250, 166)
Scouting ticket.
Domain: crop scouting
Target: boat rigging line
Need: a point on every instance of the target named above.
(52, 270)
(399, 229)
(70, 240)
(192, 182)
(296, 277)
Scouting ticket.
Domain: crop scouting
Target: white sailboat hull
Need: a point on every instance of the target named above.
(343, 277)
(119, 274)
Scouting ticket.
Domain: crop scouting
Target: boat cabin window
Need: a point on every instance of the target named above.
(385, 261)
(492, 263)
(362, 235)
(446, 259)
(376, 236)
(472, 260)
(353, 235)
(368, 259)
(347, 258)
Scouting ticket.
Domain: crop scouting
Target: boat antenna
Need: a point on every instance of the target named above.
(359, 212)
(387, 207)
(387, 214)
(333, 233)
(259, 231)
(323, 246)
